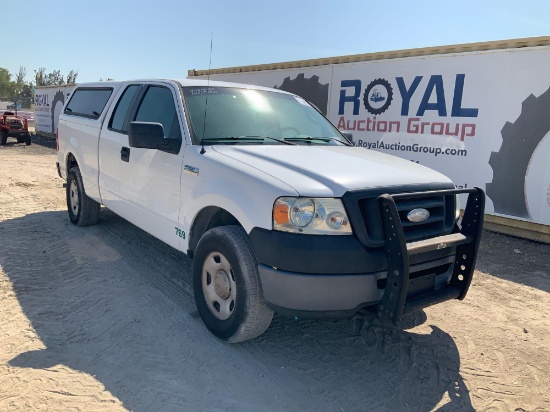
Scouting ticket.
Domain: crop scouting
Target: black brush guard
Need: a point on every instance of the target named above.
(394, 301)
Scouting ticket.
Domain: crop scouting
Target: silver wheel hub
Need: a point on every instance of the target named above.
(222, 286)
(73, 197)
(218, 285)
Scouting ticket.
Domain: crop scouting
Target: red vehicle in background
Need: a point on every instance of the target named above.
(14, 126)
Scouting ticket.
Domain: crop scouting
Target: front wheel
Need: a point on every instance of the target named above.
(83, 211)
(28, 140)
(227, 286)
(4, 138)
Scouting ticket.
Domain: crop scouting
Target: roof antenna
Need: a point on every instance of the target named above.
(207, 90)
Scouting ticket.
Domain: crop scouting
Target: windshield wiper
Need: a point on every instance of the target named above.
(243, 138)
(279, 140)
(310, 139)
(229, 139)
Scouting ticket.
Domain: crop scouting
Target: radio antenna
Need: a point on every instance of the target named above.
(207, 90)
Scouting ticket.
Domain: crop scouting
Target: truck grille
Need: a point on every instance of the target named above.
(433, 226)
(365, 217)
(15, 124)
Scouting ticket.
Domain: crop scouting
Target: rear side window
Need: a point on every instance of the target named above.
(121, 110)
(88, 102)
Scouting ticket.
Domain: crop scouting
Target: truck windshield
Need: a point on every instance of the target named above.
(226, 115)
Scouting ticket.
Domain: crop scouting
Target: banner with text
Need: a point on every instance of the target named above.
(480, 118)
(48, 103)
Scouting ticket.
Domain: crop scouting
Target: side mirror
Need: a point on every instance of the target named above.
(148, 135)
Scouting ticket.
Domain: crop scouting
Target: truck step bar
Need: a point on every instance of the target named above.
(394, 302)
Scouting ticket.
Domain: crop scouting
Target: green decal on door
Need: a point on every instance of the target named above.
(180, 232)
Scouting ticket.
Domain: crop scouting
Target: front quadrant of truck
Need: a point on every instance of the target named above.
(278, 210)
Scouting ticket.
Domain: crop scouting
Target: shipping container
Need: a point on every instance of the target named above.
(475, 112)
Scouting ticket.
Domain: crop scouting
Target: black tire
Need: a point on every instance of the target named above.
(4, 138)
(83, 211)
(28, 140)
(20, 139)
(249, 316)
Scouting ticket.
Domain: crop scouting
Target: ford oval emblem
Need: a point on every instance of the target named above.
(418, 215)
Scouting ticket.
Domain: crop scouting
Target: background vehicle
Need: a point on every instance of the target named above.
(14, 126)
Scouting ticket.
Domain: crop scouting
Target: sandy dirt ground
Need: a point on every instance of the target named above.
(103, 318)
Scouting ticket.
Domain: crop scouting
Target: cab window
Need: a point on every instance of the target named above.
(158, 106)
(88, 102)
(119, 114)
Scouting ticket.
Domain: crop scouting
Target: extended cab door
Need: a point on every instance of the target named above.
(114, 129)
(148, 189)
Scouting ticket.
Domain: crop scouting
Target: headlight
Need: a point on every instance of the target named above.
(310, 216)
(457, 207)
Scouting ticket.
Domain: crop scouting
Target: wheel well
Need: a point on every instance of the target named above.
(209, 218)
(71, 161)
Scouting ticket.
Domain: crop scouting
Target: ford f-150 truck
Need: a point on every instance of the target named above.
(279, 212)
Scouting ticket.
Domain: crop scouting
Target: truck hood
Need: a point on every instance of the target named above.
(331, 170)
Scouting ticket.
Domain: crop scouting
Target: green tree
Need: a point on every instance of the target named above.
(6, 85)
(20, 77)
(21, 91)
(71, 77)
(54, 78)
(17, 90)
(25, 96)
(19, 82)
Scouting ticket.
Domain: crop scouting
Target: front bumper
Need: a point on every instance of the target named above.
(397, 299)
(18, 132)
(336, 275)
(336, 295)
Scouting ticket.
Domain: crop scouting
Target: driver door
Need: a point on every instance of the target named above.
(150, 178)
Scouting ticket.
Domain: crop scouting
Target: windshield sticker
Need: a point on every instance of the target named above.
(198, 91)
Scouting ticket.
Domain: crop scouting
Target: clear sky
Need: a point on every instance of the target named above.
(124, 39)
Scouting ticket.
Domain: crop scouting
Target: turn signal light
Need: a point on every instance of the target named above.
(280, 213)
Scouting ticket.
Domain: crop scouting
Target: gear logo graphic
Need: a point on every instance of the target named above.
(310, 89)
(378, 96)
(58, 98)
(512, 162)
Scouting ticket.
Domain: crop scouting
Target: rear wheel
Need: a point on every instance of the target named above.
(4, 137)
(83, 211)
(28, 140)
(227, 286)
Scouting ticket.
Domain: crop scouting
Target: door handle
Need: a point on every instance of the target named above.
(125, 154)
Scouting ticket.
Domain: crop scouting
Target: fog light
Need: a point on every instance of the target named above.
(336, 220)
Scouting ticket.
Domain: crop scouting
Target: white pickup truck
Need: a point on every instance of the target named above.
(276, 207)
